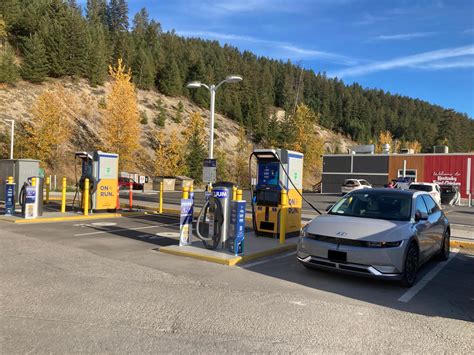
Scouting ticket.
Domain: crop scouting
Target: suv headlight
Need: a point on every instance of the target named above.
(384, 244)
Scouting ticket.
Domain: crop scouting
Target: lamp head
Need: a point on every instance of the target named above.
(233, 78)
(194, 85)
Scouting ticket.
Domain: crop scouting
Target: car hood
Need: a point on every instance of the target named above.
(357, 228)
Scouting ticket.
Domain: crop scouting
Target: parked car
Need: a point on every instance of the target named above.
(381, 233)
(432, 188)
(354, 184)
(450, 194)
(124, 184)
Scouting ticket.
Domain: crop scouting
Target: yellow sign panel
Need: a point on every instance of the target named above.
(106, 194)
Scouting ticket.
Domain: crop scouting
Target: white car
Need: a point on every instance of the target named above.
(432, 188)
(354, 184)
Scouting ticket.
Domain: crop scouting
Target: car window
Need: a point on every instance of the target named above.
(430, 204)
(374, 204)
(420, 205)
(363, 182)
(427, 188)
(348, 183)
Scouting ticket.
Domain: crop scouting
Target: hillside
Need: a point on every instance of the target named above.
(16, 102)
(55, 38)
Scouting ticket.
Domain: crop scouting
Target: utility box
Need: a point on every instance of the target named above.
(183, 181)
(168, 183)
(20, 169)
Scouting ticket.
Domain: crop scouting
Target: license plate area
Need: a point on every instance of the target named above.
(339, 256)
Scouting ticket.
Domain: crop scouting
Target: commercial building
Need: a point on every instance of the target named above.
(379, 169)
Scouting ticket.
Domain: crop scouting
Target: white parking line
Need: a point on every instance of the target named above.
(407, 296)
(267, 260)
(126, 229)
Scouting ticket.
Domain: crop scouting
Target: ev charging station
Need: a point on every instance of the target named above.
(102, 171)
(277, 170)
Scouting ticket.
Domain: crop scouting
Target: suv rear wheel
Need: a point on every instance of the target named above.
(444, 251)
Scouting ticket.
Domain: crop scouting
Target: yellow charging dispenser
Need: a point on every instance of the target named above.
(277, 169)
(102, 171)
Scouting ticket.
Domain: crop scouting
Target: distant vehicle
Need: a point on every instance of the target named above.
(124, 184)
(432, 188)
(354, 184)
(449, 194)
(403, 182)
(381, 233)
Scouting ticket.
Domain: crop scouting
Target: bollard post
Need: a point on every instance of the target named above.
(185, 192)
(33, 182)
(238, 195)
(234, 193)
(283, 212)
(63, 196)
(130, 196)
(48, 187)
(86, 197)
(10, 196)
(117, 205)
(161, 197)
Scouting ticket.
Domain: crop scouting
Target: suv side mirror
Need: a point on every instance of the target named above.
(328, 208)
(420, 216)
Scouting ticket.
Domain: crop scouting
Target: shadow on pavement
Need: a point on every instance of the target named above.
(449, 295)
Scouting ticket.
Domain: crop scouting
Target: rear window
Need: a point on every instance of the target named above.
(363, 182)
(349, 183)
(418, 187)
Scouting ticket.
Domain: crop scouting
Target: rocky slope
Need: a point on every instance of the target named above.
(16, 102)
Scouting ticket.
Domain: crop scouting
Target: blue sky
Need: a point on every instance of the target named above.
(419, 48)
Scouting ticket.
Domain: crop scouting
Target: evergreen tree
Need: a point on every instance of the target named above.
(117, 19)
(96, 63)
(8, 68)
(195, 147)
(35, 64)
(170, 80)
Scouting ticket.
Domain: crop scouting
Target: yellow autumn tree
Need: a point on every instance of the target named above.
(240, 167)
(46, 136)
(169, 155)
(306, 140)
(121, 122)
(415, 145)
(385, 137)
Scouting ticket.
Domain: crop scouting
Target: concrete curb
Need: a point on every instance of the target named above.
(461, 244)
(223, 259)
(63, 219)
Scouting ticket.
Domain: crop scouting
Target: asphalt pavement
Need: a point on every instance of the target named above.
(103, 286)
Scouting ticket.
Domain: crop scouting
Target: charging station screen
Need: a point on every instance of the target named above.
(268, 173)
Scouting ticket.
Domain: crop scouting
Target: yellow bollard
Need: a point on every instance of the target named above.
(185, 192)
(48, 187)
(238, 195)
(86, 197)
(63, 197)
(33, 182)
(283, 212)
(161, 197)
(234, 193)
(10, 180)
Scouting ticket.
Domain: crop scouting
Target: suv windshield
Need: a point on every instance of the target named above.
(426, 188)
(377, 204)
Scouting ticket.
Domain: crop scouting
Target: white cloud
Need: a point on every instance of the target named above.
(421, 60)
(460, 63)
(286, 50)
(404, 36)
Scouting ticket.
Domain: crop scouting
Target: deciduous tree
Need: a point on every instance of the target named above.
(121, 122)
(169, 155)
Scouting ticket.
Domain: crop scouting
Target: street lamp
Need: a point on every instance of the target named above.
(12, 135)
(213, 88)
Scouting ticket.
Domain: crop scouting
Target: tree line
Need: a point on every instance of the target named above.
(56, 38)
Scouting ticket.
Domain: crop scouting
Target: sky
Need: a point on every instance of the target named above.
(418, 48)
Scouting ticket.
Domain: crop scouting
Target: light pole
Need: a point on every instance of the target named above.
(213, 88)
(12, 135)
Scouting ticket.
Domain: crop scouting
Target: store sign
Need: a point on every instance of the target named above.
(445, 178)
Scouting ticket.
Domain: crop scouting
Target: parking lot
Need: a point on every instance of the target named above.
(102, 285)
